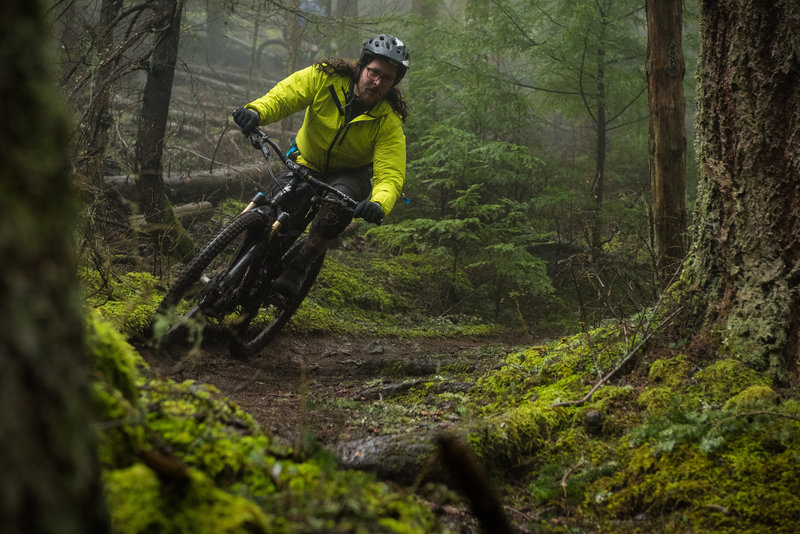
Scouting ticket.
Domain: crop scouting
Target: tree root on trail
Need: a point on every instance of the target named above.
(443, 457)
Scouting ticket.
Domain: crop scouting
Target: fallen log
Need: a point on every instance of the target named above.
(185, 213)
(440, 456)
(402, 458)
(226, 182)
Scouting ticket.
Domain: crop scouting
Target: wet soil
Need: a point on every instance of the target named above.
(325, 391)
(336, 389)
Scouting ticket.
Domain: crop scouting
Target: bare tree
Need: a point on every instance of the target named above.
(98, 121)
(153, 129)
(665, 70)
(215, 31)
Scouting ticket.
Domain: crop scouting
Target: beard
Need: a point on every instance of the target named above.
(368, 96)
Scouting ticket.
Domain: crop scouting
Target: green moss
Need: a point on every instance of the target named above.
(238, 480)
(139, 502)
(670, 372)
(128, 301)
(657, 400)
(752, 397)
(341, 286)
(700, 468)
(115, 367)
(743, 488)
(570, 464)
(133, 497)
(114, 359)
(517, 434)
(558, 371)
(725, 378)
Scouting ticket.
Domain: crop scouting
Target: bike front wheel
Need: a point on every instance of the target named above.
(204, 293)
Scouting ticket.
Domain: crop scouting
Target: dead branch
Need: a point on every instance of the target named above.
(631, 353)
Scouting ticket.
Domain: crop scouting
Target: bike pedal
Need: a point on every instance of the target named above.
(279, 301)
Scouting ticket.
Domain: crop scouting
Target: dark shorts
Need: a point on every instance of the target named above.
(332, 219)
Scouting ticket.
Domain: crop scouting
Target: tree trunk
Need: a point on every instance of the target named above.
(427, 9)
(294, 46)
(215, 32)
(600, 153)
(153, 128)
(51, 476)
(98, 117)
(665, 70)
(345, 10)
(747, 222)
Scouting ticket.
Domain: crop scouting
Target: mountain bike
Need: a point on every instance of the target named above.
(229, 283)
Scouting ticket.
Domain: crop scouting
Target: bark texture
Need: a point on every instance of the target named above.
(171, 237)
(51, 477)
(665, 71)
(155, 111)
(747, 227)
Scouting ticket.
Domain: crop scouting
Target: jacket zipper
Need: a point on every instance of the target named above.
(342, 129)
(330, 148)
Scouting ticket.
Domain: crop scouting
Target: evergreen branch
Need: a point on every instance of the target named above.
(546, 14)
(628, 105)
(516, 24)
(542, 89)
(627, 123)
(747, 414)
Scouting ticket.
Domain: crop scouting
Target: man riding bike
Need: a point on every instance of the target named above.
(352, 138)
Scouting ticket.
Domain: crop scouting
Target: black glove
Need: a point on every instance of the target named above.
(247, 119)
(369, 211)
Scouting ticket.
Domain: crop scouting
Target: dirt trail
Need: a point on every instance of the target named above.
(328, 391)
(335, 388)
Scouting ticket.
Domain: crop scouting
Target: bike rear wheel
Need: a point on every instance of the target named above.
(258, 328)
(202, 294)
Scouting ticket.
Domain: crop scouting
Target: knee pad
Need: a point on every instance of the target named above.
(331, 220)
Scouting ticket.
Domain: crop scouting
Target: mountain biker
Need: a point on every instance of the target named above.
(352, 138)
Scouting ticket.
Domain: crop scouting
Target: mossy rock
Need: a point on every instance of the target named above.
(671, 372)
(139, 502)
(724, 379)
(658, 400)
(753, 397)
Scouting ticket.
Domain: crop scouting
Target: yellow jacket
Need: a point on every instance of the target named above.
(326, 143)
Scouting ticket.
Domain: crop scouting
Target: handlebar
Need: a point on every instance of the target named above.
(262, 141)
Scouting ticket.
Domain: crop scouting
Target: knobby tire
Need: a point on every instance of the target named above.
(248, 340)
(240, 226)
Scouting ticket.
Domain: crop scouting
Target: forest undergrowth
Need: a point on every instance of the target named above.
(336, 428)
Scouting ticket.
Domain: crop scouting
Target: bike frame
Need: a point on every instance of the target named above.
(272, 226)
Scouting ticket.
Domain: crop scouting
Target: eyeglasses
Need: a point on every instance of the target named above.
(376, 75)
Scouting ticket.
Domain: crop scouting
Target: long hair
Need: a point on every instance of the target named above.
(352, 69)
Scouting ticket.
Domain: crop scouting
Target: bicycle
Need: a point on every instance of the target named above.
(230, 281)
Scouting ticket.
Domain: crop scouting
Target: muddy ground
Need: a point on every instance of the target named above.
(337, 388)
(322, 391)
